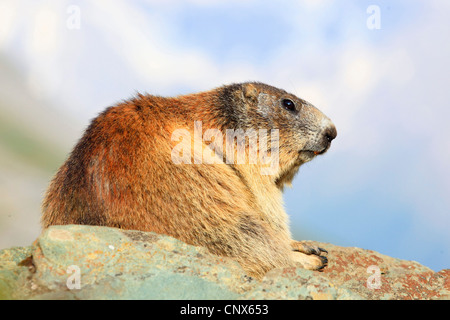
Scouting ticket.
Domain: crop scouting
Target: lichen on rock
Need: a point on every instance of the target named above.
(91, 262)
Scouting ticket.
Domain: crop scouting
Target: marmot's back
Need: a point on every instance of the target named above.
(168, 165)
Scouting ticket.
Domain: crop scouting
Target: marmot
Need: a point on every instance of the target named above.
(134, 169)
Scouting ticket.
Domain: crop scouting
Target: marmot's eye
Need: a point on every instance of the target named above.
(288, 104)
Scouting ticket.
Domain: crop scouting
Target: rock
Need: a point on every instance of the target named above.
(10, 269)
(89, 262)
(356, 270)
(354, 273)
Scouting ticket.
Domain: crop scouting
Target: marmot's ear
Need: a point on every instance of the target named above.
(250, 92)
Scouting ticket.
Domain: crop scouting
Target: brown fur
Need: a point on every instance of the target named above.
(121, 174)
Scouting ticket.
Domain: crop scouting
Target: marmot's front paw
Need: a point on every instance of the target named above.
(310, 262)
(308, 256)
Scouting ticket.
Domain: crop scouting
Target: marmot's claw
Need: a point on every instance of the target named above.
(324, 263)
(306, 248)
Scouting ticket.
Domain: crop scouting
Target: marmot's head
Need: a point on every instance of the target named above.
(304, 131)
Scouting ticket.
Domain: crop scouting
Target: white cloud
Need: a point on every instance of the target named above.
(8, 16)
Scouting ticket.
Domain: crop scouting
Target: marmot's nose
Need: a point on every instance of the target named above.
(330, 133)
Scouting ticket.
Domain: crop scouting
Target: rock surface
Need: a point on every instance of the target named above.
(87, 262)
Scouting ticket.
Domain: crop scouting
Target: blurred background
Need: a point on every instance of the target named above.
(379, 69)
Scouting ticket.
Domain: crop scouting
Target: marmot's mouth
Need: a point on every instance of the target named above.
(320, 152)
(325, 149)
(307, 155)
(313, 153)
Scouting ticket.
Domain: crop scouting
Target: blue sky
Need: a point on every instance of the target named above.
(385, 183)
